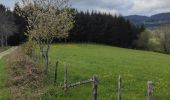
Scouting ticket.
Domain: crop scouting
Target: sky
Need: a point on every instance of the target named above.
(123, 7)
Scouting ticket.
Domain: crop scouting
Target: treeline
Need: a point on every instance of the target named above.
(89, 27)
(12, 27)
(155, 40)
(97, 27)
(19, 37)
(7, 25)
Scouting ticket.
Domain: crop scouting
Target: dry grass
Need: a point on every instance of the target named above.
(25, 76)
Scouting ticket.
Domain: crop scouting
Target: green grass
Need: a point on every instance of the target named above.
(3, 49)
(135, 67)
(85, 60)
(4, 91)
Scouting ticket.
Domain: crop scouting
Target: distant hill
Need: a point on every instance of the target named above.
(152, 21)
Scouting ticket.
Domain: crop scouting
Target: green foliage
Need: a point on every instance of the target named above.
(160, 39)
(155, 40)
(143, 40)
(30, 47)
(47, 19)
(154, 44)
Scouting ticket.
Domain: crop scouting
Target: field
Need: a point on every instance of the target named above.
(4, 93)
(136, 68)
(85, 60)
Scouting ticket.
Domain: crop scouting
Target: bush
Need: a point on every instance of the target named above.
(154, 44)
(29, 47)
(143, 40)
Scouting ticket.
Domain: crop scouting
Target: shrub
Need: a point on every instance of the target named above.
(154, 44)
(143, 40)
(29, 47)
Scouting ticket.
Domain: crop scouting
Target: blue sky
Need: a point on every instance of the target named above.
(124, 7)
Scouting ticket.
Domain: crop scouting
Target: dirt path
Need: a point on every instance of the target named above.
(2, 54)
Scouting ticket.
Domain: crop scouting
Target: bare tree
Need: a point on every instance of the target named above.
(162, 34)
(7, 25)
(47, 19)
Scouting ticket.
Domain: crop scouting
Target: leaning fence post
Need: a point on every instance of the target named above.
(95, 83)
(150, 90)
(65, 77)
(119, 88)
(56, 73)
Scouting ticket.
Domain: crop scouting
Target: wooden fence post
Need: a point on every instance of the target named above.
(119, 88)
(95, 83)
(65, 77)
(149, 90)
(56, 73)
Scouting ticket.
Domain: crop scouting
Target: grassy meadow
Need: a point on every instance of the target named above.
(85, 60)
(135, 67)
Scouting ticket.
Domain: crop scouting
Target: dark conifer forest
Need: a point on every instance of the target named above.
(89, 27)
(104, 28)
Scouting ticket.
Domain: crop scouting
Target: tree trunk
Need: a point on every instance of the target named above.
(56, 73)
(6, 41)
(46, 58)
(2, 41)
(165, 48)
(45, 47)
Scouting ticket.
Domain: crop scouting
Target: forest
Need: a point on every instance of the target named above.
(89, 27)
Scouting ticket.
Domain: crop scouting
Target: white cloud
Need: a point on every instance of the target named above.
(124, 7)
(150, 6)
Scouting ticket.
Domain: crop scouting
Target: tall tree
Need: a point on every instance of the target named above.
(21, 23)
(7, 25)
(47, 19)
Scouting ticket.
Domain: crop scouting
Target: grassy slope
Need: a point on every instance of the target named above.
(4, 92)
(136, 68)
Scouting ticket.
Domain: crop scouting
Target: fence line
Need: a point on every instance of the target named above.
(56, 73)
(150, 90)
(119, 88)
(95, 86)
(80, 83)
(94, 81)
(65, 77)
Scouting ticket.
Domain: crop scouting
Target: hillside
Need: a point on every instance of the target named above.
(136, 68)
(152, 21)
(85, 60)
